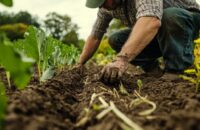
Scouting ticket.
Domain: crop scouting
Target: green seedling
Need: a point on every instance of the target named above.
(8, 79)
(123, 90)
(139, 84)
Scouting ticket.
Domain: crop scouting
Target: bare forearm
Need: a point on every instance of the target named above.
(143, 32)
(89, 49)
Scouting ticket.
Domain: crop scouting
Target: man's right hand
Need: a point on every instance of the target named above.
(114, 71)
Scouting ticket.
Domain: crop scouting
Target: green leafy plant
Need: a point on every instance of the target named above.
(55, 54)
(7, 2)
(104, 54)
(17, 64)
(195, 72)
(32, 45)
(48, 52)
(18, 68)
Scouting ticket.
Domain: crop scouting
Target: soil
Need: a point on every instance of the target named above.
(63, 103)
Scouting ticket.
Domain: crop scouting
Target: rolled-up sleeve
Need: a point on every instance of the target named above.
(101, 24)
(152, 8)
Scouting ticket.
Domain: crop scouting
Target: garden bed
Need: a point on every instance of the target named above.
(68, 102)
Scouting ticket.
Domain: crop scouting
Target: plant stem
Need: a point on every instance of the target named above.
(8, 79)
(39, 71)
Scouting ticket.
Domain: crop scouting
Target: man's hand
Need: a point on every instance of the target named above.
(115, 70)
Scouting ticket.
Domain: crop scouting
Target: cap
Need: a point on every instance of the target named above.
(94, 3)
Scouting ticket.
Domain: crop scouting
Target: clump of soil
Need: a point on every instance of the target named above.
(64, 103)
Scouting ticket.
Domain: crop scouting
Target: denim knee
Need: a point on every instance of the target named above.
(117, 39)
(176, 38)
(112, 39)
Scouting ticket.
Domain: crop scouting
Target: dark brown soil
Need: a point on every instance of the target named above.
(61, 103)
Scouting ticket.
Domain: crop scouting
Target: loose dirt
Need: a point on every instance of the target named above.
(64, 103)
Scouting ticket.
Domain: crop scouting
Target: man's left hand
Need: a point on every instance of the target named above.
(114, 71)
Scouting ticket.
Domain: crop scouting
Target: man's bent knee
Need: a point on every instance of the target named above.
(117, 39)
(112, 40)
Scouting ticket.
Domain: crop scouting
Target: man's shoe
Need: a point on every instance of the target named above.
(156, 72)
(170, 76)
(153, 70)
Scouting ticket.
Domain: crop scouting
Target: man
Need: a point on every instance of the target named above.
(155, 28)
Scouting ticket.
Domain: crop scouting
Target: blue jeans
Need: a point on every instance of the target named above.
(174, 41)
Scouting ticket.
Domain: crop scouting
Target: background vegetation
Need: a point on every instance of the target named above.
(29, 47)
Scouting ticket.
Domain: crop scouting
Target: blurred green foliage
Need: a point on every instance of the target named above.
(3, 98)
(14, 31)
(15, 25)
(14, 62)
(20, 17)
(62, 28)
(105, 53)
(115, 25)
(7, 2)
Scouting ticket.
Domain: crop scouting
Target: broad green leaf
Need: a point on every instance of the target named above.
(19, 46)
(32, 45)
(16, 64)
(34, 38)
(7, 2)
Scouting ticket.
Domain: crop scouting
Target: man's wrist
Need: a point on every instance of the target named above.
(122, 57)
